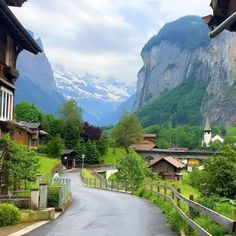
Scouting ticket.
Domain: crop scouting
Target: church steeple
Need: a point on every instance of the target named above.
(207, 126)
(207, 134)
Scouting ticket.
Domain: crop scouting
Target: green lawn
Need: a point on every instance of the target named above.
(46, 166)
(185, 187)
(87, 175)
(112, 157)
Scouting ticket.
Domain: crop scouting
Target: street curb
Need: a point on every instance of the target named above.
(29, 228)
(34, 226)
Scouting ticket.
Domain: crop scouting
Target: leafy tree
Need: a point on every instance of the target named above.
(80, 149)
(220, 177)
(72, 123)
(127, 131)
(55, 146)
(17, 163)
(26, 111)
(133, 169)
(52, 124)
(102, 145)
(92, 154)
(91, 132)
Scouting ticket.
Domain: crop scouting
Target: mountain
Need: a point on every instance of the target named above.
(113, 117)
(98, 97)
(36, 83)
(186, 77)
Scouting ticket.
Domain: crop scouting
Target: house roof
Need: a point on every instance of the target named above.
(15, 2)
(68, 151)
(30, 125)
(16, 29)
(149, 135)
(170, 160)
(142, 146)
(207, 126)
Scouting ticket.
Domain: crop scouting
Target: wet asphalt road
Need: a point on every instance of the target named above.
(103, 213)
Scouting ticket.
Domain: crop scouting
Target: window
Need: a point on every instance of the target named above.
(6, 99)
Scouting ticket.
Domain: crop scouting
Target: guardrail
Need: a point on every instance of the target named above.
(175, 197)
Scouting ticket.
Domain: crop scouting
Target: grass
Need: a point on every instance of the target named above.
(87, 175)
(47, 165)
(113, 156)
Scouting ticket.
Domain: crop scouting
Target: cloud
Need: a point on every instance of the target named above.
(103, 37)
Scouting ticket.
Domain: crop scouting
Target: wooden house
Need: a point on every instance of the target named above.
(147, 143)
(167, 167)
(28, 134)
(13, 39)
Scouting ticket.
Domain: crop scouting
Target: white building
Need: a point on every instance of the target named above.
(208, 136)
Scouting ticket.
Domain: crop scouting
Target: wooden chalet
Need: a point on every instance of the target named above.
(167, 167)
(28, 134)
(147, 143)
(13, 39)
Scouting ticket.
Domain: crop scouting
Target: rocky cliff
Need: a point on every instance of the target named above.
(183, 53)
(36, 83)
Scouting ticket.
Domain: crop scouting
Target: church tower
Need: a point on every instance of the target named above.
(207, 133)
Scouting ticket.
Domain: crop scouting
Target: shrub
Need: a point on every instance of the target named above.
(53, 197)
(9, 214)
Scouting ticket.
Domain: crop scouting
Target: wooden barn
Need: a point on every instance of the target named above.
(167, 167)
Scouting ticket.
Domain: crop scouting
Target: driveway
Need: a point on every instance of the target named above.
(103, 213)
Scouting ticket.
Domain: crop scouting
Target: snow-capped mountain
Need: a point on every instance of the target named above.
(97, 97)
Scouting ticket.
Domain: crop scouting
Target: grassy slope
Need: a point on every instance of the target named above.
(46, 166)
(111, 158)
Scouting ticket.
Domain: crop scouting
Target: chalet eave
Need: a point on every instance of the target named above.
(16, 29)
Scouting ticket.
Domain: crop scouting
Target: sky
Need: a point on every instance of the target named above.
(101, 37)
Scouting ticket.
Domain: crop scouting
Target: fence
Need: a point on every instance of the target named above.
(20, 199)
(65, 191)
(57, 195)
(175, 197)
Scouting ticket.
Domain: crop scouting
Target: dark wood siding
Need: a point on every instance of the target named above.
(3, 44)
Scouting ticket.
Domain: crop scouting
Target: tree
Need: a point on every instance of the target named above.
(17, 163)
(52, 124)
(219, 174)
(127, 131)
(80, 149)
(102, 145)
(91, 132)
(133, 169)
(72, 123)
(92, 154)
(26, 111)
(55, 146)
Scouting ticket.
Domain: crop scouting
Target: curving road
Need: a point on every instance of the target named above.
(103, 213)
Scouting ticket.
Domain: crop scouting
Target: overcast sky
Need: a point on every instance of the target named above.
(102, 37)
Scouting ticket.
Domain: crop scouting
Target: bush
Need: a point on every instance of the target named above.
(53, 197)
(9, 214)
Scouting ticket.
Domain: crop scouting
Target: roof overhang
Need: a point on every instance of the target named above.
(16, 30)
(224, 17)
(15, 3)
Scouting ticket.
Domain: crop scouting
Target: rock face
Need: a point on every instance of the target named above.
(36, 83)
(183, 51)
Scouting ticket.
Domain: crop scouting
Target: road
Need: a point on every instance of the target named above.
(103, 213)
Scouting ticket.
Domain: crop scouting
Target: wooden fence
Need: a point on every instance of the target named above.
(175, 197)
